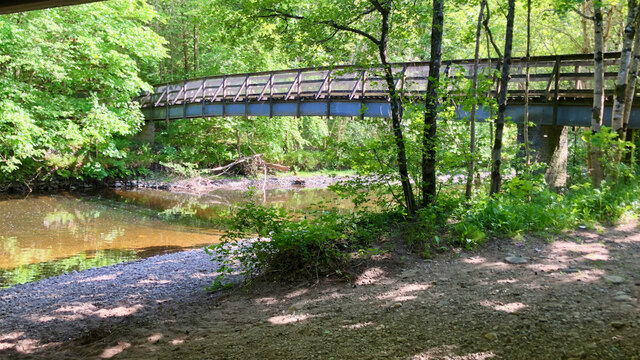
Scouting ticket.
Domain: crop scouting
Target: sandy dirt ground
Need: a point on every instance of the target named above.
(574, 298)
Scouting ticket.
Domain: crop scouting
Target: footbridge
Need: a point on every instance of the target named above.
(561, 91)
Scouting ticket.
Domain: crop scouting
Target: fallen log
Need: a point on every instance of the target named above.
(278, 167)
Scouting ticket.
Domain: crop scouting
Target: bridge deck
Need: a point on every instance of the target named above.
(561, 91)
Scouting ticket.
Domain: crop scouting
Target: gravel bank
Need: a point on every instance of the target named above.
(71, 305)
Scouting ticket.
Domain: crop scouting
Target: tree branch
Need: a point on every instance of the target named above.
(485, 24)
(376, 4)
(334, 25)
(275, 13)
(577, 11)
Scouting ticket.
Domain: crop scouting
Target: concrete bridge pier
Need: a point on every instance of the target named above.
(147, 133)
(549, 144)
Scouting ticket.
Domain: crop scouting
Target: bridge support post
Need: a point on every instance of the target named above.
(147, 134)
(549, 144)
(554, 151)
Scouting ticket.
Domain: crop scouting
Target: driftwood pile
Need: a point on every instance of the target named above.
(249, 166)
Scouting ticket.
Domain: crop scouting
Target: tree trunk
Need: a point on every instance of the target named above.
(472, 116)
(598, 94)
(185, 53)
(629, 157)
(196, 49)
(431, 107)
(396, 117)
(525, 128)
(619, 102)
(496, 153)
(631, 84)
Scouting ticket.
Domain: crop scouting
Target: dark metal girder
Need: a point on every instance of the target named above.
(9, 7)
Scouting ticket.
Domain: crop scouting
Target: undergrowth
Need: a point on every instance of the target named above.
(287, 245)
(263, 240)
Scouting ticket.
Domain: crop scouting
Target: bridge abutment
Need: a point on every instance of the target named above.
(147, 134)
(549, 144)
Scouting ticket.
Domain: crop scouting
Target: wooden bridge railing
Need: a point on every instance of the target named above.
(566, 77)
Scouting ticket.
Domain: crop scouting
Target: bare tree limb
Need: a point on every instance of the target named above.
(485, 23)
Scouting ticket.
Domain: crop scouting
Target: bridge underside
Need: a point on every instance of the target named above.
(544, 114)
(9, 7)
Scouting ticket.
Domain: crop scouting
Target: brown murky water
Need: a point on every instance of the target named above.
(47, 235)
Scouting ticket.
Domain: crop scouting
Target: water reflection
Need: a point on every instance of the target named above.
(47, 235)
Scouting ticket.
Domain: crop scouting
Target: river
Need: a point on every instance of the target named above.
(48, 235)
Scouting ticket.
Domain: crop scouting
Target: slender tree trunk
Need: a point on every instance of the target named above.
(496, 153)
(586, 45)
(472, 116)
(185, 54)
(598, 94)
(431, 107)
(491, 44)
(631, 84)
(396, 117)
(619, 102)
(196, 49)
(525, 127)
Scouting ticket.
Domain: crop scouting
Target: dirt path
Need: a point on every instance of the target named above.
(573, 299)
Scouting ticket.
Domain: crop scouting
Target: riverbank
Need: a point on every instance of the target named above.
(195, 184)
(99, 300)
(573, 298)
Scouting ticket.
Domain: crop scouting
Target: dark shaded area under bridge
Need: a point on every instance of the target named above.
(561, 91)
(9, 7)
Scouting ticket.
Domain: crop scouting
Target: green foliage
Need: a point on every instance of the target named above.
(612, 150)
(529, 206)
(67, 77)
(286, 246)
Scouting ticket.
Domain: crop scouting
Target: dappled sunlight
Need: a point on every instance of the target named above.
(179, 340)
(475, 260)
(154, 338)
(115, 350)
(154, 282)
(511, 307)
(100, 278)
(11, 336)
(288, 319)
(507, 308)
(15, 341)
(70, 313)
(592, 251)
(119, 311)
(597, 256)
(80, 311)
(592, 275)
(633, 237)
(370, 276)
(545, 267)
(203, 276)
(297, 293)
(447, 352)
(495, 265)
(357, 326)
(404, 293)
(265, 301)
(332, 295)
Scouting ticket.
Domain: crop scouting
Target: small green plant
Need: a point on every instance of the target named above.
(266, 240)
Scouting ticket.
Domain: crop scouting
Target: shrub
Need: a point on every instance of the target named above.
(287, 246)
